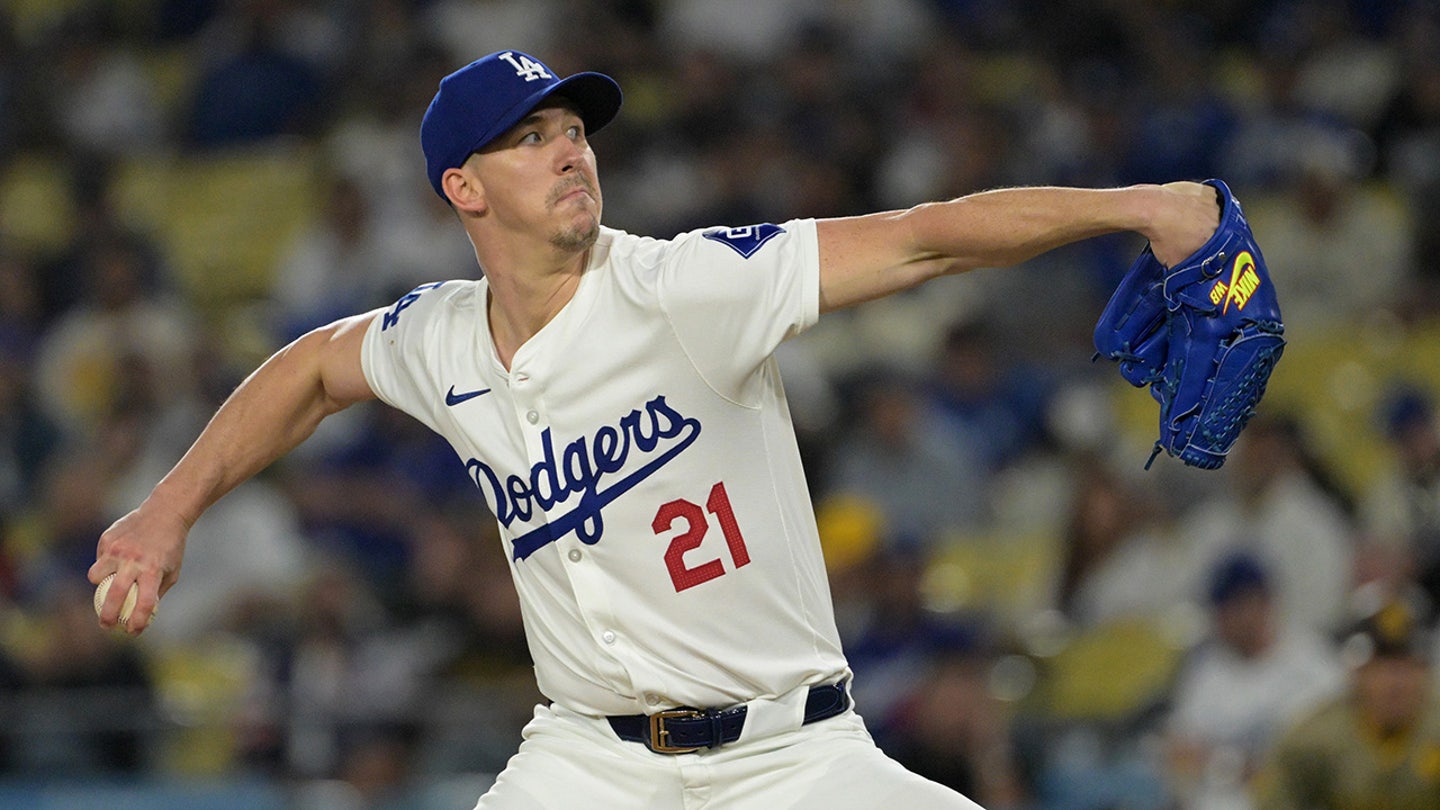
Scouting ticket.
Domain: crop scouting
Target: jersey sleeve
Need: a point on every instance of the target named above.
(397, 354)
(734, 294)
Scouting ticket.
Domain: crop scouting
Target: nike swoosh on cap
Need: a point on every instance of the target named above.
(452, 399)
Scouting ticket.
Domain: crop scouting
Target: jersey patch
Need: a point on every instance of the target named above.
(745, 240)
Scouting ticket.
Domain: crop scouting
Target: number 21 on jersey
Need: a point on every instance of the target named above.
(696, 524)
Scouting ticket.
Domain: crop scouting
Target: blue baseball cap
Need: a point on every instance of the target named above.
(1237, 573)
(478, 102)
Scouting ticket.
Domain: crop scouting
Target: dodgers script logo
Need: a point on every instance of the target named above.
(586, 467)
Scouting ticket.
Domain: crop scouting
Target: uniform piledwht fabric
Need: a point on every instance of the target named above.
(640, 460)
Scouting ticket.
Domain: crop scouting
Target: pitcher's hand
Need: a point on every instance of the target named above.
(143, 547)
(1185, 219)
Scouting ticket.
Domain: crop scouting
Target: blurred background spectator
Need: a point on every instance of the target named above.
(185, 185)
(1401, 507)
(1284, 507)
(1246, 682)
(1112, 562)
(1373, 745)
(924, 475)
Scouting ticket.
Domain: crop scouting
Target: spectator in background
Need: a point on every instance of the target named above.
(256, 89)
(120, 328)
(1344, 72)
(27, 434)
(105, 102)
(97, 223)
(457, 581)
(50, 536)
(1409, 143)
(1331, 223)
(377, 768)
(250, 550)
(1248, 681)
(950, 139)
(1182, 127)
(748, 30)
(333, 267)
(347, 673)
(925, 477)
(1375, 745)
(1400, 511)
(357, 497)
(86, 705)
(1295, 519)
(459, 598)
(369, 143)
(467, 27)
(996, 401)
(1274, 124)
(896, 639)
(834, 120)
(923, 673)
(953, 730)
(1113, 562)
(408, 235)
(20, 307)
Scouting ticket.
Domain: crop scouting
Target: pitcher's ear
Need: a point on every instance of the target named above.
(463, 189)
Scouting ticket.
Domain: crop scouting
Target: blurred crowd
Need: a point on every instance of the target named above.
(1033, 617)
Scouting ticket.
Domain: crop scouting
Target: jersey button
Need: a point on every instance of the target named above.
(608, 636)
(532, 417)
(574, 555)
(652, 699)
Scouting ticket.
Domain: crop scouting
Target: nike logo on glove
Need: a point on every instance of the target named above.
(452, 399)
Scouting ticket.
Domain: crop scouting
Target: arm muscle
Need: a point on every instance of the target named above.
(871, 256)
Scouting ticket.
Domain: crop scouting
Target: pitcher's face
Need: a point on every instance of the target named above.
(539, 177)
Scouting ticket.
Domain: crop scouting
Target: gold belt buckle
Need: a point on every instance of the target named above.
(659, 741)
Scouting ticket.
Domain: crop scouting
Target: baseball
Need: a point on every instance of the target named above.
(125, 609)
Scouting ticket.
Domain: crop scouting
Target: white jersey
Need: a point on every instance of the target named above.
(640, 459)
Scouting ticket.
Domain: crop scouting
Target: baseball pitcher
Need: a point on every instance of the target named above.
(615, 400)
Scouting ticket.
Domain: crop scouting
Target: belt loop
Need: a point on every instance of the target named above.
(777, 715)
(717, 731)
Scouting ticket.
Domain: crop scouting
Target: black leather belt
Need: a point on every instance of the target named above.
(686, 730)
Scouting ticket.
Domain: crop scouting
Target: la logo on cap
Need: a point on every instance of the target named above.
(478, 102)
(525, 67)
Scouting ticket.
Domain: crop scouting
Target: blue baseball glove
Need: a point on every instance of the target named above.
(1204, 335)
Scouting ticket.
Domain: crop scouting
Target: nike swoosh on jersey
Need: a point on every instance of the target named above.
(452, 399)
